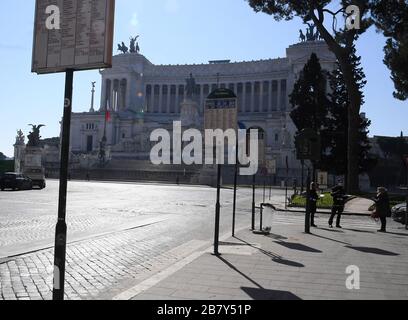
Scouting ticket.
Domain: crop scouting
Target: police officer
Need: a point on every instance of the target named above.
(339, 200)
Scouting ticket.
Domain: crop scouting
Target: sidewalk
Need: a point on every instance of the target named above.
(357, 207)
(289, 265)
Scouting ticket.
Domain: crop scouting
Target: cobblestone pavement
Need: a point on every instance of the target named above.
(102, 265)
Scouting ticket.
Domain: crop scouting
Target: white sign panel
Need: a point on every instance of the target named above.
(73, 34)
(271, 166)
(323, 178)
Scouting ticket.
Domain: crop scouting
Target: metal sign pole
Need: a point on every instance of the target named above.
(235, 190)
(264, 191)
(61, 228)
(217, 213)
(307, 219)
(253, 202)
(406, 213)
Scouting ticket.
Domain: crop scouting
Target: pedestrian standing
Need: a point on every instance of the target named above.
(339, 201)
(382, 207)
(314, 197)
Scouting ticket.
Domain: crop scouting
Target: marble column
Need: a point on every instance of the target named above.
(253, 97)
(161, 99)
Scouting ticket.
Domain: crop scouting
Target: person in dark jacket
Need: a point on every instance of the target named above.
(314, 197)
(382, 207)
(339, 201)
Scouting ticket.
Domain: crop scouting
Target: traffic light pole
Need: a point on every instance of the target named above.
(61, 228)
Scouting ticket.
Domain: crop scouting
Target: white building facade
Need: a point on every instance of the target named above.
(142, 97)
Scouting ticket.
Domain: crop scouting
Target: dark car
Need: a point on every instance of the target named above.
(15, 181)
(399, 213)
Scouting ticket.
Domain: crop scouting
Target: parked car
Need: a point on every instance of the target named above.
(399, 213)
(15, 181)
(37, 175)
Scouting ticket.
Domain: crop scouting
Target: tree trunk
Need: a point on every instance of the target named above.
(342, 54)
(353, 127)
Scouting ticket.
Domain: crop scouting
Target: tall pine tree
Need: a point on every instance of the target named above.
(311, 104)
(338, 124)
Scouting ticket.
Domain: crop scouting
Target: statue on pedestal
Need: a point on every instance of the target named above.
(34, 137)
(134, 45)
(122, 47)
(20, 138)
(191, 86)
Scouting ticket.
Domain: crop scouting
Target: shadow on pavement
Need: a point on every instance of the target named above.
(260, 293)
(398, 234)
(264, 294)
(288, 263)
(331, 230)
(238, 271)
(232, 244)
(360, 231)
(297, 246)
(373, 251)
(275, 258)
(325, 238)
(276, 237)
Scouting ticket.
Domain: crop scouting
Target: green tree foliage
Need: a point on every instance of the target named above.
(339, 119)
(309, 97)
(2, 156)
(310, 102)
(393, 147)
(391, 17)
(340, 41)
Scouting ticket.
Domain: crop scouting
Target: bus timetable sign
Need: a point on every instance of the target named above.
(221, 111)
(72, 35)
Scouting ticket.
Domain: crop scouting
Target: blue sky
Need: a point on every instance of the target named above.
(172, 32)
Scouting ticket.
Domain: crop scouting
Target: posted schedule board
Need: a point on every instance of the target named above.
(221, 114)
(83, 41)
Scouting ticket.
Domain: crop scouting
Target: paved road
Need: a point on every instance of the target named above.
(117, 233)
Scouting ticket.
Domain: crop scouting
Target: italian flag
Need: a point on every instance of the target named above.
(107, 116)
